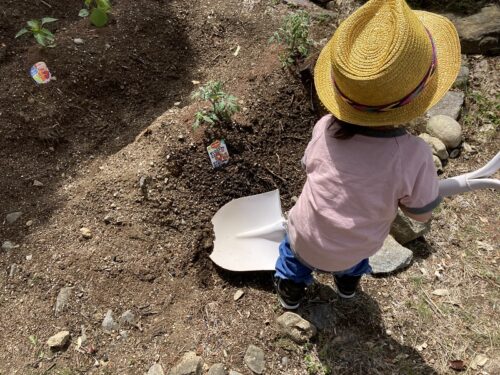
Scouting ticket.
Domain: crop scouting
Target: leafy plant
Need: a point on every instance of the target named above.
(42, 35)
(294, 35)
(223, 105)
(97, 11)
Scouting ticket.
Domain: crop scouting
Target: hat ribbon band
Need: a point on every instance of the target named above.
(399, 103)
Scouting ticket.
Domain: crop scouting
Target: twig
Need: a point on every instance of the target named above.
(432, 304)
(50, 368)
(45, 3)
(275, 175)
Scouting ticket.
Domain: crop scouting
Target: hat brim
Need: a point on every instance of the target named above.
(448, 56)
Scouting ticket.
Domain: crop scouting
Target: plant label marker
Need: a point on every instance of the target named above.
(40, 73)
(218, 153)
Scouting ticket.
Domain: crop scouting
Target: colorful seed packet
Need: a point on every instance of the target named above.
(218, 153)
(40, 73)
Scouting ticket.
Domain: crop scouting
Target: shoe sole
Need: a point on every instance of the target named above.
(287, 306)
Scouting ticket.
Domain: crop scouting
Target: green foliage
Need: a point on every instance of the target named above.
(315, 367)
(482, 110)
(97, 11)
(42, 35)
(224, 105)
(294, 36)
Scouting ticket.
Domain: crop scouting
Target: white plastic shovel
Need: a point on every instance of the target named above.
(248, 230)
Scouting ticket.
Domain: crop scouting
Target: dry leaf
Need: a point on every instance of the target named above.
(457, 365)
(478, 361)
(441, 292)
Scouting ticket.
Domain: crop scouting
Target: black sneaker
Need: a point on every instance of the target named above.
(289, 293)
(346, 285)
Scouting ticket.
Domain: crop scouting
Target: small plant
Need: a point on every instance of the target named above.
(224, 105)
(42, 35)
(97, 10)
(294, 35)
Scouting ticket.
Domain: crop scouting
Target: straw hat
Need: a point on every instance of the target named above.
(387, 64)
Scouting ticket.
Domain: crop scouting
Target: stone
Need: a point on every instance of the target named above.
(8, 245)
(450, 105)
(254, 359)
(86, 233)
(62, 300)
(391, 257)
(462, 79)
(239, 293)
(13, 269)
(480, 32)
(13, 216)
(156, 369)
(59, 340)
(217, 369)
(190, 364)
(296, 328)
(127, 317)
(78, 41)
(438, 147)
(446, 129)
(454, 153)
(108, 324)
(437, 163)
(405, 229)
(37, 183)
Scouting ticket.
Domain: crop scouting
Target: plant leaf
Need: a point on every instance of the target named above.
(23, 31)
(104, 5)
(98, 17)
(48, 20)
(34, 24)
(40, 38)
(84, 12)
(87, 3)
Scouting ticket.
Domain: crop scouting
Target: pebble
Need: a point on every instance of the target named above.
(285, 361)
(217, 369)
(78, 41)
(13, 216)
(108, 324)
(13, 269)
(391, 257)
(8, 245)
(29, 223)
(446, 129)
(455, 153)
(254, 359)
(62, 299)
(296, 328)
(59, 340)
(239, 293)
(190, 364)
(37, 183)
(29, 257)
(86, 233)
(127, 317)
(156, 369)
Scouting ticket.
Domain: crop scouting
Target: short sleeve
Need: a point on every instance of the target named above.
(421, 192)
(318, 130)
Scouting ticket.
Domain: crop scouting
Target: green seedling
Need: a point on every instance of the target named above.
(294, 36)
(42, 35)
(224, 105)
(97, 11)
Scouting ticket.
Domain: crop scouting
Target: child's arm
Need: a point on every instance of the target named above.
(418, 217)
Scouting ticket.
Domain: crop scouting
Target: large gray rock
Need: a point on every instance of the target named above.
(190, 364)
(446, 129)
(296, 328)
(391, 257)
(59, 340)
(217, 369)
(405, 229)
(451, 105)
(156, 369)
(438, 147)
(480, 33)
(62, 300)
(254, 359)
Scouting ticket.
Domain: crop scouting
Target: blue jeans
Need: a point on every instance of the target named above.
(289, 267)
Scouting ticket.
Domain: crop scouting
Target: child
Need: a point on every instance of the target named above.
(384, 66)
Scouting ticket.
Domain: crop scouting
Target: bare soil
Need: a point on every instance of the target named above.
(111, 141)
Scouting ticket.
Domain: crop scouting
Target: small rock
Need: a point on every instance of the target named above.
(331, 5)
(438, 147)
(405, 229)
(239, 293)
(13, 216)
(8, 245)
(254, 359)
(13, 269)
(446, 129)
(37, 183)
(29, 223)
(62, 299)
(190, 364)
(59, 340)
(467, 147)
(285, 361)
(108, 324)
(455, 153)
(450, 105)
(437, 163)
(156, 369)
(78, 41)
(127, 317)
(294, 199)
(295, 327)
(86, 233)
(109, 218)
(181, 137)
(391, 257)
(217, 369)
(29, 257)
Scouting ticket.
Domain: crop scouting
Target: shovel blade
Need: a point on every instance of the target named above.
(248, 232)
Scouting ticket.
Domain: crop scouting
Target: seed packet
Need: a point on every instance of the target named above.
(40, 73)
(218, 153)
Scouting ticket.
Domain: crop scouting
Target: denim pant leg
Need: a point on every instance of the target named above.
(357, 270)
(289, 267)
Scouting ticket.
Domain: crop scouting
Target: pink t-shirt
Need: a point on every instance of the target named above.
(353, 190)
